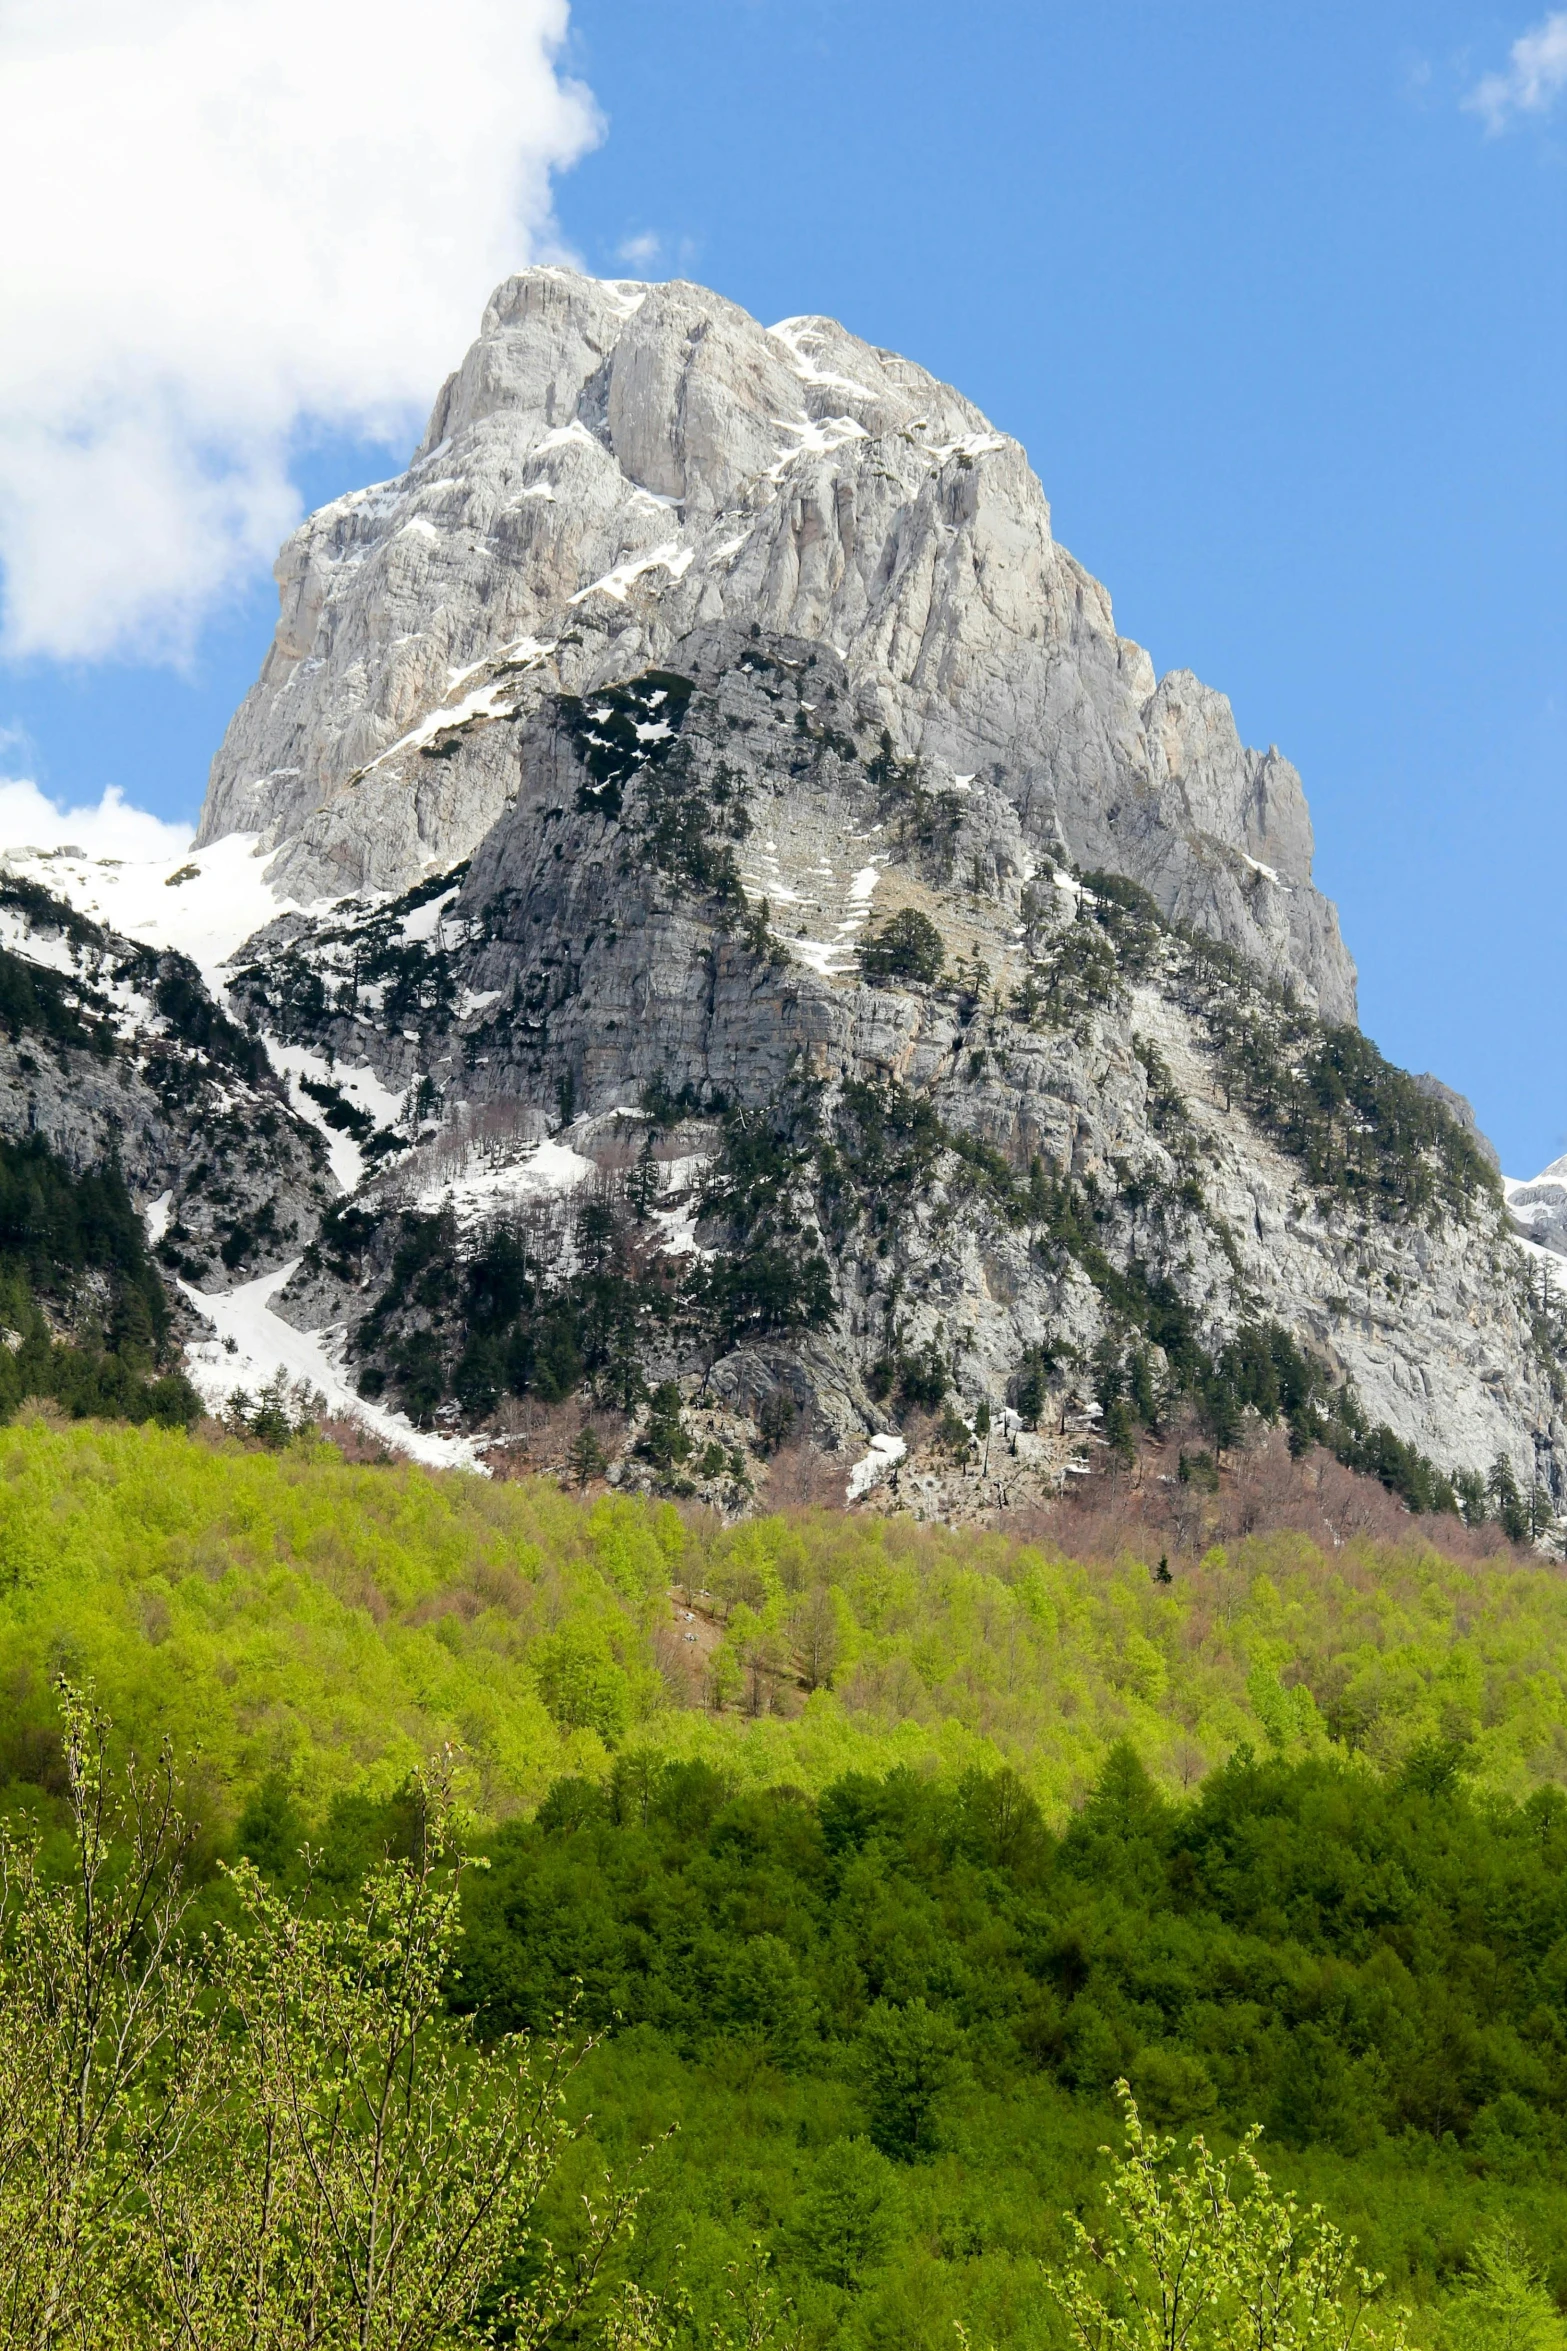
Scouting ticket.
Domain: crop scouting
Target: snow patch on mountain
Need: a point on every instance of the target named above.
(1538, 1207)
(484, 1188)
(204, 903)
(251, 1345)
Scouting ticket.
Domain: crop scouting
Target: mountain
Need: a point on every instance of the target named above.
(1539, 1207)
(614, 467)
(745, 931)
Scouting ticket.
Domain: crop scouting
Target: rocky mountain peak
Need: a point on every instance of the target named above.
(722, 937)
(616, 466)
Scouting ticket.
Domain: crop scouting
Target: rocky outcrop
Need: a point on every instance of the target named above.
(114, 1051)
(617, 469)
(1539, 1208)
(754, 942)
(1089, 1139)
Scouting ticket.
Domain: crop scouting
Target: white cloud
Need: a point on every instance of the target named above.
(228, 219)
(112, 829)
(640, 249)
(1535, 78)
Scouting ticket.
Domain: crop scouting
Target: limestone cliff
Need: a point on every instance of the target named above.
(756, 945)
(615, 467)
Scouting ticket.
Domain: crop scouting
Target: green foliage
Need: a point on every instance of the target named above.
(478, 1321)
(588, 1457)
(907, 947)
(94, 2007)
(882, 1956)
(890, 2019)
(911, 2055)
(1181, 2260)
(285, 1612)
(581, 1683)
(279, 2136)
(283, 1411)
(1304, 1941)
(665, 1439)
(846, 2220)
(74, 1244)
(1503, 2303)
(281, 1612)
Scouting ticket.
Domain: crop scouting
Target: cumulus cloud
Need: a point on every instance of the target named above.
(230, 221)
(112, 829)
(642, 248)
(1535, 77)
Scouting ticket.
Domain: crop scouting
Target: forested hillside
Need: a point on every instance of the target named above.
(874, 1853)
(888, 2020)
(284, 1612)
(83, 1314)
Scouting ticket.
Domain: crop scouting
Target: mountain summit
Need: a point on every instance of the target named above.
(752, 951)
(617, 466)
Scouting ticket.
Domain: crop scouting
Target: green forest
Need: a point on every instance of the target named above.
(73, 1253)
(849, 1864)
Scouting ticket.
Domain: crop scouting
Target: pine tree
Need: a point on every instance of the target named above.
(587, 1456)
(642, 1188)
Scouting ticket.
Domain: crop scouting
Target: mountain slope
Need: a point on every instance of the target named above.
(1092, 1146)
(759, 951)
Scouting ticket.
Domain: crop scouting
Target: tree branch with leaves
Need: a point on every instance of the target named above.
(1196, 2254)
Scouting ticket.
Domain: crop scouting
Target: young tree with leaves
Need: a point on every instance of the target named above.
(369, 2167)
(1503, 2303)
(280, 2141)
(98, 2014)
(1194, 2254)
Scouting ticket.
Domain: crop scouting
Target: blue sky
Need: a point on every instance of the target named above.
(1280, 320)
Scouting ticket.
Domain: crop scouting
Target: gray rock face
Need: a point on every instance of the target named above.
(1458, 1106)
(617, 469)
(1002, 1163)
(687, 660)
(188, 1107)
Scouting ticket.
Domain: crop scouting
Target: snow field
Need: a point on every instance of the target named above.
(251, 1344)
